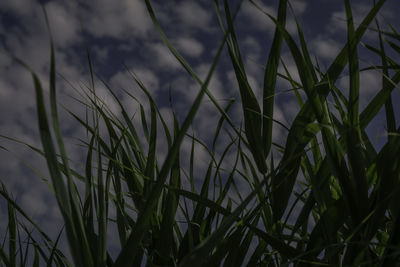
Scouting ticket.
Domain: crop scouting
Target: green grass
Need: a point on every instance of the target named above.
(346, 190)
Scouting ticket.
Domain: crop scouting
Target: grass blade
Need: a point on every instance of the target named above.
(128, 252)
(270, 76)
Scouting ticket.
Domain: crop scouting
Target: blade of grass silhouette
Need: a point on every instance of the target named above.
(286, 177)
(252, 119)
(188, 68)
(270, 77)
(80, 243)
(128, 252)
(12, 230)
(390, 117)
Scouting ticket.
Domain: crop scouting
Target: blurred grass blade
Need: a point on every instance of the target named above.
(390, 117)
(353, 135)
(12, 230)
(64, 198)
(285, 179)
(200, 254)
(185, 65)
(332, 199)
(378, 101)
(128, 252)
(251, 109)
(270, 77)
(79, 240)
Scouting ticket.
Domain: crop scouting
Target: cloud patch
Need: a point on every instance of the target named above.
(119, 19)
(193, 15)
(162, 58)
(189, 46)
(325, 48)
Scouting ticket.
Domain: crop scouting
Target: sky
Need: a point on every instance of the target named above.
(120, 33)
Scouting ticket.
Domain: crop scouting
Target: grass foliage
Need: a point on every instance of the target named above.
(346, 191)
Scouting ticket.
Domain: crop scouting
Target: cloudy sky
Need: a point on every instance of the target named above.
(121, 32)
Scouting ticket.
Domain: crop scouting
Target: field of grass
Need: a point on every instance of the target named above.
(328, 199)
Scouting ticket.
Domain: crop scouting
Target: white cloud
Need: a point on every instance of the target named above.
(370, 84)
(189, 46)
(191, 14)
(262, 22)
(291, 26)
(278, 133)
(63, 23)
(5, 60)
(252, 54)
(163, 58)
(258, 19)
(125, 81)
(255, 85)
(325, 48)
(299, 6)
(338, 19)
(34, 203)
(62, 19)
(100, 53)
(21, 7)
(215, 85)
(117, 19)
(32, 46)
(253, 46)
(290, 109)
(148, 78)
(201, 156)
(290, 65)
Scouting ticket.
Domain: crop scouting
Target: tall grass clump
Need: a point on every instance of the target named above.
(346, 190)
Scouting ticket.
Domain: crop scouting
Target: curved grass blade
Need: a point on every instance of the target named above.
(166, 243)
(286, 177)
(251, 109)
(353, 135)
(79, 241)
(270, 77)
(128, 252)
(390, 118)
(199, 255)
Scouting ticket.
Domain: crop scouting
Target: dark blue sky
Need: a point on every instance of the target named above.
(120, 32)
